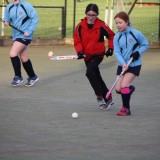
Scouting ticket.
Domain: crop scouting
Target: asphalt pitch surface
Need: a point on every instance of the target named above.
(36, 122)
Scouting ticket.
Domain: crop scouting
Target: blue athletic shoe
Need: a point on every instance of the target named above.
(17, 81)
(31, 81)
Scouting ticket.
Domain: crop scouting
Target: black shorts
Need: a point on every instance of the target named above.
(135, 70)
(23, 41)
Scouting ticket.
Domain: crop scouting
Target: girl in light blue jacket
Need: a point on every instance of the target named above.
(128, 42)
(23, 16)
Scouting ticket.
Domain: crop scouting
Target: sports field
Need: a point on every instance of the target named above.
(143, 18)
(36, 123)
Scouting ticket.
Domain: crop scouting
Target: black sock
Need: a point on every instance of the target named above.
(28, 68)
(125, 93)
(16, 63)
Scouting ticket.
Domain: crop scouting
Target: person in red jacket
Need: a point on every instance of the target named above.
(89, 44)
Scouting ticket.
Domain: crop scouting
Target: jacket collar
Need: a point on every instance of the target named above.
(128, 29)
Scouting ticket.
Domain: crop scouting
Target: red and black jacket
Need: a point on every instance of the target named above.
(91, 41)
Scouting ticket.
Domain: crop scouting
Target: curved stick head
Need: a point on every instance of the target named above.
(108, 95)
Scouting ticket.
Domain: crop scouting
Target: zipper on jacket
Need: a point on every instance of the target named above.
(126, 39)
(16, 11)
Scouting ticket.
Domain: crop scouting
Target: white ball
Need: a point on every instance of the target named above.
(74, 115)
(50, 54)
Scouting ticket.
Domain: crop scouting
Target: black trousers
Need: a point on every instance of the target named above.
(94, 76)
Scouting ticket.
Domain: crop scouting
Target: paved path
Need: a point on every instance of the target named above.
(36, 123)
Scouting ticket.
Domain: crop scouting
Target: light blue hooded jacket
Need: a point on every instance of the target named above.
(128, 42)
(23, 16)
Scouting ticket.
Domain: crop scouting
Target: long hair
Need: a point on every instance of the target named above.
(124, 16)
(92, 7)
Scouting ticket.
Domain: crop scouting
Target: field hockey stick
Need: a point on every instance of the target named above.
(12, 26)
(117, 79)
(66, 57)
(57, 58)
